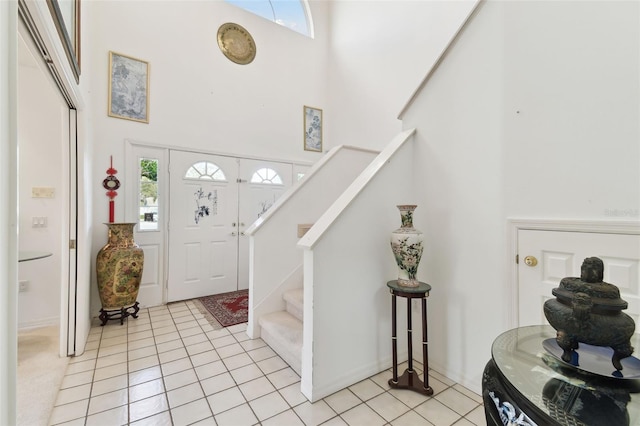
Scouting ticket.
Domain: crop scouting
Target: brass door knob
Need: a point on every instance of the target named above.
(530, 261)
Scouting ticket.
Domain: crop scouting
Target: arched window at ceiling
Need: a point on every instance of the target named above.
(293, 14)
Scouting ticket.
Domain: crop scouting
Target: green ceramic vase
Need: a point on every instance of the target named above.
(119, 268)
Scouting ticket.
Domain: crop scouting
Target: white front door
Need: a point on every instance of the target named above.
(203, 232)
(261, 184)
(560, 254)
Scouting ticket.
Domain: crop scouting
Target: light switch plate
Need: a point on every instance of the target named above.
(39, 222)
(42, 192)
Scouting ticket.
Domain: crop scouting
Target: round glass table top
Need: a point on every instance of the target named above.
(559, 389)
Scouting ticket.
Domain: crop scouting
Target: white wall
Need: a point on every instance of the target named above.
(42, 126)
(474, 151)
(366, 59)
(533, 113)
(200, 100)
(379, 53)
(572, 103)
(358, 71)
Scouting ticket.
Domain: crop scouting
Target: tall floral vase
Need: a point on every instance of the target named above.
(119, 268)
(406, 244)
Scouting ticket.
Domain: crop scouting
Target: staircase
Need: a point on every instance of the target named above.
(282, 330)
(346, 187)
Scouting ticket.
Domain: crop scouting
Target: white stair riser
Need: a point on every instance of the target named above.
(283, 333)
(295, 302)
(295, 310)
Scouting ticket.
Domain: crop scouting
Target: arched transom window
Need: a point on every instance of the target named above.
(205, 170)
(293, 14)
(267, 176)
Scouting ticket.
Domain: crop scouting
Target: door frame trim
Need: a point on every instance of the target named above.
(515, 224)
(131, 211)
(200, 150)
(130, 144)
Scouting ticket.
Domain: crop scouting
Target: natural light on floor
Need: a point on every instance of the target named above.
(174, 365)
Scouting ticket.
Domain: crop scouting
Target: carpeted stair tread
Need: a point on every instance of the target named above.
(283, 333)
(295, 302)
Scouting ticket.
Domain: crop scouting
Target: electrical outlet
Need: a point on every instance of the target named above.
(23, 285)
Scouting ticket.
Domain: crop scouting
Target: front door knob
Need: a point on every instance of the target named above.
(530, 261)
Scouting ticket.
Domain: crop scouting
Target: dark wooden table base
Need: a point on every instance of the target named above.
(410, 379)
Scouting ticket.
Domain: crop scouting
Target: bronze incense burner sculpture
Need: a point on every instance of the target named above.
(588, 310)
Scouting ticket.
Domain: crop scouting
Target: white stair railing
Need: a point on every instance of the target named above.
(347, 262)
(275, 259)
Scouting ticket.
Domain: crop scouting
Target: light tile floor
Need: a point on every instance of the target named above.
(171, 366)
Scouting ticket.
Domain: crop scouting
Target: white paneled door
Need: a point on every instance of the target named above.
(212, 200)
(203, 214)
(261, 184)
(545, 257)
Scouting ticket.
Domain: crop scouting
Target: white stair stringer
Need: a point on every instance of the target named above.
(283, 333)
(295, 302)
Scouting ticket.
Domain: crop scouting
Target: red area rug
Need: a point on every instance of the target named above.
(228, 308)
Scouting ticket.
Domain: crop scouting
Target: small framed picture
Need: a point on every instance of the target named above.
(128, 88)
(312, 129)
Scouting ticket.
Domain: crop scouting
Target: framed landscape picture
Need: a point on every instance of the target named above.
(312, 129)
(128, 88)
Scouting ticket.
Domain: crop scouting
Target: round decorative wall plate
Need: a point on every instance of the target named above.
(236, 43)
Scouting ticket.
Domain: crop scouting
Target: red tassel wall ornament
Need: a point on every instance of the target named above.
(111, 184)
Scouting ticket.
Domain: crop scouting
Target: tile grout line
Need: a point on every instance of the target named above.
(246, 350)
(162, 375)
(263, 374)
(93, 375)
(247, 402)
(188, 355)
(194, 369)
(128, 374)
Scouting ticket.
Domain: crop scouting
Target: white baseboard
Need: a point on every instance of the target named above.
(45, 322)
(362, 373)
(473, 384)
